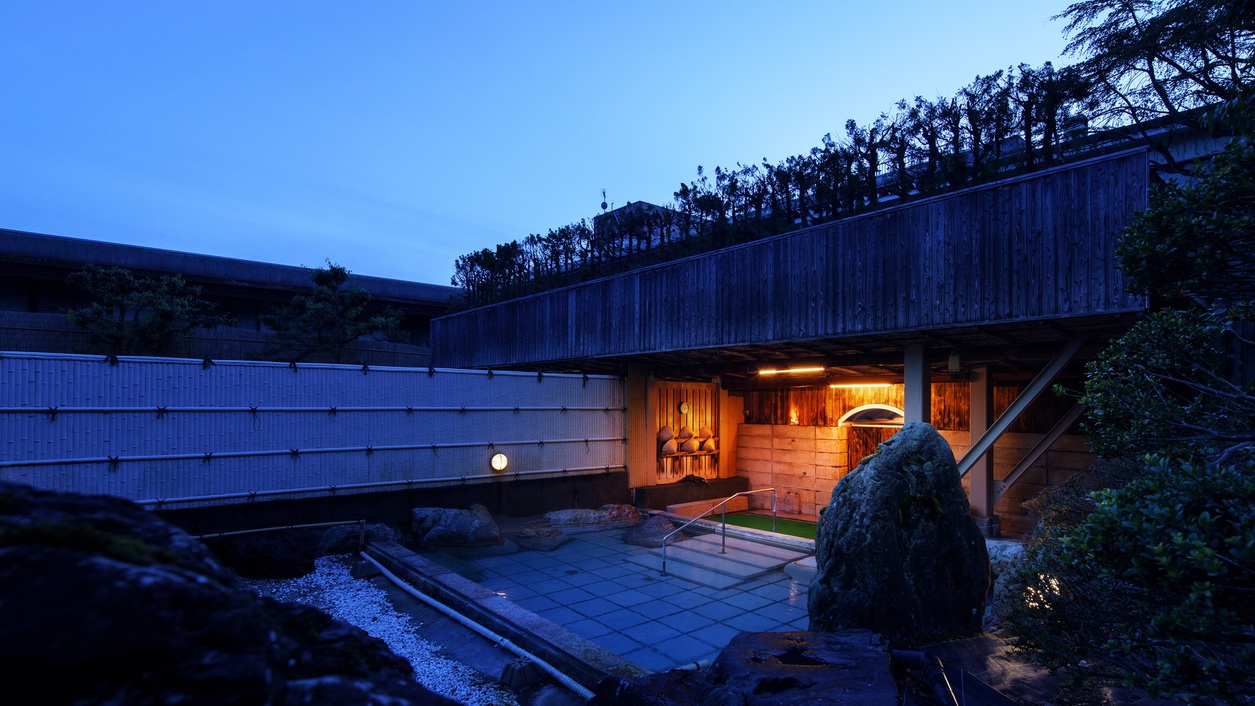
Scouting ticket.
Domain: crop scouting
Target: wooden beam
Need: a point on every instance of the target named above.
(1030, 393)
(1040, 448)
(981, 414)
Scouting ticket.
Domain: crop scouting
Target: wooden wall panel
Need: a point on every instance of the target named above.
(824, 406)
(1034, 247)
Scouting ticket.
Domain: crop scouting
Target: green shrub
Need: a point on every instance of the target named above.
(1157, 582)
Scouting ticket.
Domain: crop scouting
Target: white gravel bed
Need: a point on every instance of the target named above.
(359, 602)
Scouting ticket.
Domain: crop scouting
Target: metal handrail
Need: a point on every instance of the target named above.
(723, 544)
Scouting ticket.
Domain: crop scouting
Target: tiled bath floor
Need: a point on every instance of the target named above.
(656, 621)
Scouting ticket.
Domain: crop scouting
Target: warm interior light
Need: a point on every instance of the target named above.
(792, 371)
(851, 385)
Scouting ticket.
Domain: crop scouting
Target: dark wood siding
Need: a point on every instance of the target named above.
(1029, 248)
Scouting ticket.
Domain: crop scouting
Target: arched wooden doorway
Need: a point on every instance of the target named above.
(867, 426)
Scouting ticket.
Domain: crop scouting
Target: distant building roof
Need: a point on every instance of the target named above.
(58, 252)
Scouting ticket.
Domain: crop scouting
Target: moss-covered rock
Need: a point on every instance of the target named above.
(897, 551)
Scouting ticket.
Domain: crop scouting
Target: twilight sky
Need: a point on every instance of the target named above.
(391, 137)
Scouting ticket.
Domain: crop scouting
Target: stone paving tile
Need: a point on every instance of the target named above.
(634, 579)
(781, 612)
(628, 598)
(615, 572)
(622, 619)
(527, 578)
(653, 632)
(718, 635)
(589, 581)
(537, 604)
(686, 648)
(548, 586)
(659, 589)
(717, 611)
(571, 595)
(517, 593)
(658, 609)
(618, 643)
(593, 608)
(540, 561)
(498, 583)
(494, 562)
(748, 601)
(588, 629)
(561, 615)
(752, 622)
(772, 591)
(688, 599)
(650, 659)
(689, 622)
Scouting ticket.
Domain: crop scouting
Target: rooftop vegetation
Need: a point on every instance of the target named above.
(1140, 65)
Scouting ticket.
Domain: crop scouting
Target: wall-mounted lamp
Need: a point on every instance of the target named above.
(792, 371)
(499, 462)
(953, 364)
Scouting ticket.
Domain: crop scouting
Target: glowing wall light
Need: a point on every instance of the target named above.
(792, 371)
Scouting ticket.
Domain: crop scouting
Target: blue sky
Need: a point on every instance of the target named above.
(391, 137)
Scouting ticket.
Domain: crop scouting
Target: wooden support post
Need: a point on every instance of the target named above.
(641, 451)
(731, 415)
(917, 385)
(982, 473)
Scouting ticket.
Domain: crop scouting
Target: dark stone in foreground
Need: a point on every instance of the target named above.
(279, 554)
(850, 668)
(102, 602)
(290, 553)
(896, 549)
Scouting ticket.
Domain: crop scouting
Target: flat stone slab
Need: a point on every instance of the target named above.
(697, 507)
(802, 571)
(688, 572)
(699, 560)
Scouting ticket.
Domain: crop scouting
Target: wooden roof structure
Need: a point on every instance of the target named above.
(1004, 274)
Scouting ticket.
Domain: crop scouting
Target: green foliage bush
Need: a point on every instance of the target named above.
(321, 322)
(1164, 387)
(131, 315)
(1157, 582)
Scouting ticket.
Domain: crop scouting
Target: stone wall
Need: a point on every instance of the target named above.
(804, 463)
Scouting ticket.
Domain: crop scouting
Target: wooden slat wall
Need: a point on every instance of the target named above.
(703, 399)
(1040, 246)
(824, 406)
(703, 402)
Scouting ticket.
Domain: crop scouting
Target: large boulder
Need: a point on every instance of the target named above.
(446, 528)
(101, 602)
(897, 551)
